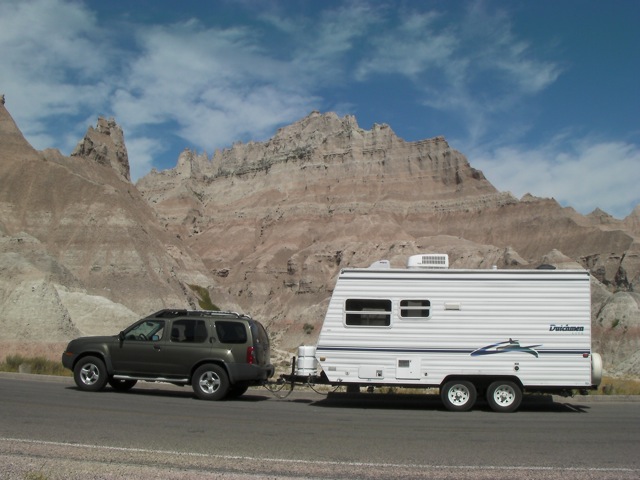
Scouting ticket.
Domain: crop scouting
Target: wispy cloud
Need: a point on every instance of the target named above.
(206, 85)
(215, 85)
(417, 46)
(476, 69)
(50, 65)
(585, 174)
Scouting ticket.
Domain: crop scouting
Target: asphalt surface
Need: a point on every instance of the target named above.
(51, 430)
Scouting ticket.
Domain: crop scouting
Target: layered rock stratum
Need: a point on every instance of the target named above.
(81, 252)
(266, 227)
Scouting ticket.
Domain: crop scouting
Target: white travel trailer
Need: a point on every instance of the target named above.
(466, 332)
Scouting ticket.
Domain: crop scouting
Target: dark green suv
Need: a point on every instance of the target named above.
(220, 354)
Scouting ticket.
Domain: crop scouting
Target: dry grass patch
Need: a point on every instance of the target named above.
(32, 357)
(619, 386)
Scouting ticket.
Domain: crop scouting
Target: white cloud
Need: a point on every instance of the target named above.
(475, 68)
(323, 47)
(585, 176)
(141, 151)
(212, 86)
(215, 85)
(53, 60)
(417, 46)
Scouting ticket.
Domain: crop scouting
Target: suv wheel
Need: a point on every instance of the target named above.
(90, 374)
(210, 382)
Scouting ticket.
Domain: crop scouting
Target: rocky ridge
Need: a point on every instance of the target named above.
(80, 250)
(276, 220)
(266, 226)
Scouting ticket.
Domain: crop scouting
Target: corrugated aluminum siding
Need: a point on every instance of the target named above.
(495, 306)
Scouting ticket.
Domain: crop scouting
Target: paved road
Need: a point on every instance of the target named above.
(47, 426)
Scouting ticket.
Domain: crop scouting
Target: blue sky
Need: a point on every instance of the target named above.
(541, 95)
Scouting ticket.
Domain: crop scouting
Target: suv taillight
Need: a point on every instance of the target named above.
(251, 355)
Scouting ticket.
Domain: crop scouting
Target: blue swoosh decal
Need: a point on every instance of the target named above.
(505, 347)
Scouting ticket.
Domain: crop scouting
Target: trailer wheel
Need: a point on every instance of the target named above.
(504, 396)
(458, 395)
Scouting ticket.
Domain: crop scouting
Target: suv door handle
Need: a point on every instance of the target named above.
(157, 347)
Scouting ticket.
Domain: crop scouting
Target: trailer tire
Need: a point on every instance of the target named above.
(504, 396)
(458, 395)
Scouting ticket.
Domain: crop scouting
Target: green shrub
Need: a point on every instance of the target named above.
(204, 299)
(37, 365)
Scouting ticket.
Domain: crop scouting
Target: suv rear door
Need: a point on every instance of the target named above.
(262, 350)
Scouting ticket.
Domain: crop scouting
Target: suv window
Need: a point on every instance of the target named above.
(231, 332)
(193, 331)
(147, 330)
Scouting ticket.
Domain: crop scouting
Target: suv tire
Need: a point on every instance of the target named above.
(90, 374)
(121, 385)
(210, 382)
(237, 391)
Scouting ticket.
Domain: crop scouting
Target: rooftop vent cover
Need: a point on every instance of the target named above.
(429, 261)
(381, 264)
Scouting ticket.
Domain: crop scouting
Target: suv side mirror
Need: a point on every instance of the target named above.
(121, 336)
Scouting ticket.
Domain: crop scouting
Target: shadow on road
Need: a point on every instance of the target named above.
(382, 401)
(170, 391)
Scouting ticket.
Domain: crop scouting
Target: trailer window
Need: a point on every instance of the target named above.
(368, 312)
(415, 308)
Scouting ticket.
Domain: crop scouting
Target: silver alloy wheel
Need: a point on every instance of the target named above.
(209, 382)
(90, 374)
(504, 395)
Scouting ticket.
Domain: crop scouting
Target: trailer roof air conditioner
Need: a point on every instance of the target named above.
(429, 261)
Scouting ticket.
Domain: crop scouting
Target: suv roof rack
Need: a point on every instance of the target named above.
(173, 313)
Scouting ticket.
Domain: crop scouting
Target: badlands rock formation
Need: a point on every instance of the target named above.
(275, 221)
(267, 226)
(80, 250)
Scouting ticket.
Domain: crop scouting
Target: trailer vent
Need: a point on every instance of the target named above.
(429, 261)
(381, 264)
